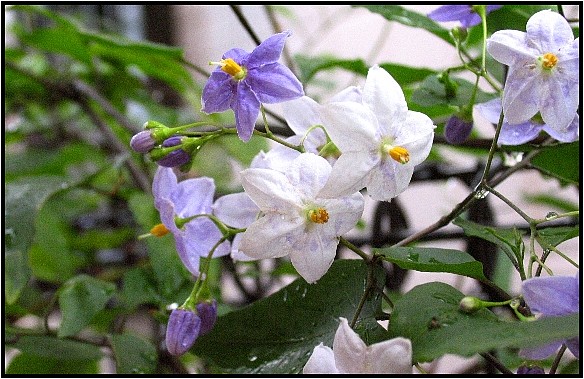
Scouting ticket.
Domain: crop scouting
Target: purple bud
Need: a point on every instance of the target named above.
(174, 158)
(142, 142)
(208, 314)
(182, 331)
(457, 130)
(530, 370)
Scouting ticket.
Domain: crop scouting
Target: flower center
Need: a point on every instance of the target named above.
(399, 154)
(159, 230)
(318, 215)
(232, 68)
(549, 60)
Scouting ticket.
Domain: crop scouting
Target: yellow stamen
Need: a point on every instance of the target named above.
(549, 60)
(399, 154)
(319, 215)
(159, 230)
(231, 67)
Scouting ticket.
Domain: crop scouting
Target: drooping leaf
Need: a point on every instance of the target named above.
(80, 299)
(560, 162)
(555, 236)
(428, 259)
(277, 334)
(133, 355)
(429, 316)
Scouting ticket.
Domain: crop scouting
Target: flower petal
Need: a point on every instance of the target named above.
(194, 196)
(218, 93)
(164, 184)
(268, 51)
(351, 93)
(519, 133)
(269, 236)
(385, 98)
(313, 253)
(322, 361)
(389, 179)
(393, 356)
(270, 190)
(237, 54)
(236, 210)
(349, 349)
(519, 102)
(246, 107)
(352, 126)
(574, 345)
(349, 174)
(558, 102)
(236, 253)
(308, 173)
(344, 212)
(274, 83)
(416, 134)
(552, 296)
(548, 31)
(301, 114)
(450, 12)
(510, 47)
(540, 352)
(571, 134)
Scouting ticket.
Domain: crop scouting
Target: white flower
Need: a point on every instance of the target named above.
(380, 139)
(296, 221)
(350, 355)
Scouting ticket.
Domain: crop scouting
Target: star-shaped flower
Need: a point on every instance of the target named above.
(544, 66)
(245, 80)
(350, 355)
(296, 221)
(464, 13)
(380, 139)
(525, 131)
(179, 201)
(552, 296)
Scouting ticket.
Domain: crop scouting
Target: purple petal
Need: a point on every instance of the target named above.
(552, 296)
(142, 142)
(236, 209)
(540, 352)
(268, 51)
(510, 47)
(549, 31)
(457, 130)
(182, 331)
(208, 314)
(194, 196)
(570, 135)
(520, 97)
(450, 12)
(218, 92)
(163, 185)
(518, 134)
(274, 83)
(574, 345)
(558, 100)
(247, 108)
(237, 54)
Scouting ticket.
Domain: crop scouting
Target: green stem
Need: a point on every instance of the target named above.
(355, 249)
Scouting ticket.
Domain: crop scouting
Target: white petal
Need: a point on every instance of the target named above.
(349, 349)
(343, 212)
(510, 47)
(322, 361)
(520, 96)
(416, 134)
(351, 93)
(352, 126)
(301, 114)
(270, 190)
(390, 357)
(389, 179)
(236, 254)
(557, 110)
(269, 237)
(350, 173)
(385, 98)
(236, 210)
(308, 173)
(313, 252)
(549, 31)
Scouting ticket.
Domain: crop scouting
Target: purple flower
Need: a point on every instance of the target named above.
(183, 200)
(185, 326)
(530, 370)
(457, 130)
(544, 67)
(142, 142)
(176, 157)
(552, 296)
(244, 80)
(525, 131)
(463, 13)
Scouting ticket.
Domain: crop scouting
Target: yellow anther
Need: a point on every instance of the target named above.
(159, 230)
(231, 67)
(319, 215)
(549, 60)
(400, 154)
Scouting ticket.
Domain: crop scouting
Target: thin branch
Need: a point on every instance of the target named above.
(246, 25)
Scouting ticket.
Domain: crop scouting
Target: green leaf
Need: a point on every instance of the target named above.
(555, 236)
(410, 18)
(432, 93)
(429, 316)
(80, 299)
(60, 349)
(429, 259)
(133, 355)
(407, 75)
(560, 162)
(310, 66)
(26, 364)
(139, 288)
(277, 334)
(24, 198)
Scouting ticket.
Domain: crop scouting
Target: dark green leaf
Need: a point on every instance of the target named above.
(133, 355)
(139, 287)
(555, 236)
(62, 39)
(410, 18)
(429, 316)
(310, 66)
(552, 201)
(432, 93)
(560, 162)
(80, 299)
(60, 349)
(430, 259)
(24, 197)
(26, 364)
(406, 75)
(277, 334)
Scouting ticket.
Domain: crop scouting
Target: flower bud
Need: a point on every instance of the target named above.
(142, 142)
(470, 304)
(530, 370)
(176, 157)
(459, 33)
(183, 328)
(457, 130)
(208, 313)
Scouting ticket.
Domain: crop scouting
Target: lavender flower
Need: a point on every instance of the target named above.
(245, 80)
(464, 13)
(457, 130)
(185, 326)
(552, 296)
(142, 142)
